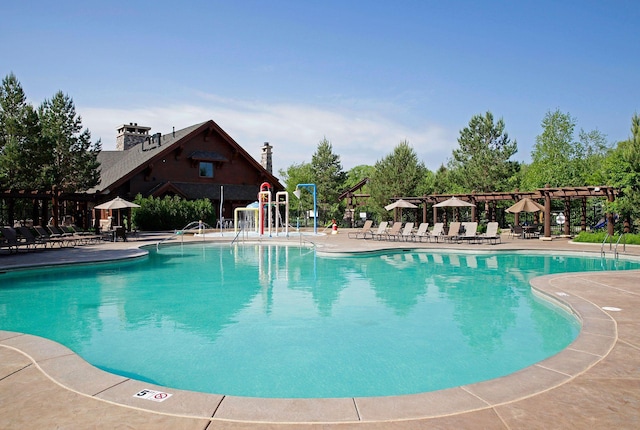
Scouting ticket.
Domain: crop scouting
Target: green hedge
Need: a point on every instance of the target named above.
(171, 213)
(598, 237)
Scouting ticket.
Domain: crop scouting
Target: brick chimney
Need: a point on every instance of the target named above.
(266, 157)
(131, 135)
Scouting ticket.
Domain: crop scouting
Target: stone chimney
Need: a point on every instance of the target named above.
(131, 135)
(266, 157)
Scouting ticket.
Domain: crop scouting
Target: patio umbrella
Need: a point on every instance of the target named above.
(400, 204)
(525, 205)
(453, 202)
(117, 204)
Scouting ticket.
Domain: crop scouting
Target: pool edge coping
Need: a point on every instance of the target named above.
(596, 339)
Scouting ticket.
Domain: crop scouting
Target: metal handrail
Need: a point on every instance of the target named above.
(624, 245)
(603, 242)
(201, 226)
(237, 235)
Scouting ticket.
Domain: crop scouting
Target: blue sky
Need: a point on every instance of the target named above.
(364, 74)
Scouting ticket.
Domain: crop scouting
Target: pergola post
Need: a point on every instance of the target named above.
(474, 218)
(583, 216)
(610, 219)
(547, 213)
(567, 216)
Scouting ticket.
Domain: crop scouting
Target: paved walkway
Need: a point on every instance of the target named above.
(595, 383)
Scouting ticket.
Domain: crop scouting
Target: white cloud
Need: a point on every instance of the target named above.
(294, 130)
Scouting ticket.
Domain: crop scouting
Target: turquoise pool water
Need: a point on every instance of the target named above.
(281, 321)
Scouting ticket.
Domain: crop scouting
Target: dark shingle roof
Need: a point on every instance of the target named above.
(115, 165)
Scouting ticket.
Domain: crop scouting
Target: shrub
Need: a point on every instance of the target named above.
(171, 213)
(598, 237)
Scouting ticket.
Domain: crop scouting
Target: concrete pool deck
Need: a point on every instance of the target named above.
(594, 383)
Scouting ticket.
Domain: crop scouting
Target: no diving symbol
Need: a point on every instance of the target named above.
(156, 396)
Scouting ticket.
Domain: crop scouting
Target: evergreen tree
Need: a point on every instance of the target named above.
(622, 168)
(329, 179)
(74, 165)
(399, 174)
(481, 163)
(21, 149)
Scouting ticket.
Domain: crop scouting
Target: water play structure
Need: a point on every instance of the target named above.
(262, 213)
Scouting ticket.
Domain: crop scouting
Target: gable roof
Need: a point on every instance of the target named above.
(119, 166)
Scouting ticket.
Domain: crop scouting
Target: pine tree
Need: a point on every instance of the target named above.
(74, 165)
(329, 178)
(481, 163)
(399, 174)
(21, 150)
(74, 162)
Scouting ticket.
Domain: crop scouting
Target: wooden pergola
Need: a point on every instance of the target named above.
(45, 204)
(490, 200)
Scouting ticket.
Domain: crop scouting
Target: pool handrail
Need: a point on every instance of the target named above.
(201, 227)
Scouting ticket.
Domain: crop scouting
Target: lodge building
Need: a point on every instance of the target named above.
(196, 162)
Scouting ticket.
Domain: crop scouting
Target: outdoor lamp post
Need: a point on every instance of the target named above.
(312, 187)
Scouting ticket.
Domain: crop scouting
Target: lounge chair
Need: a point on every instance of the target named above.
(56, 231)
(382, 227)
(82, 237)
(491, 235)
(422, 233)
(437, 231)
(18, 240)
(453, 233)
(406, 233)
(393, 232)
(366, 228)
(30, 238)
(470, 231)
(8, 240)
(52, 240)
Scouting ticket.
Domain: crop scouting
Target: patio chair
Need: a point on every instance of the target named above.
(453, 233)
(59, 232)
(30, 239)
(393, 232)
(517, 231)
(436, 233)
(381, 228)
(52, 240)
(470, 232)
(366, 228)
(422, 233)
(83, 236)
(406, 233)
(491, 235)
(8, 240)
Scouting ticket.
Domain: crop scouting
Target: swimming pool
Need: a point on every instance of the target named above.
(283, 321)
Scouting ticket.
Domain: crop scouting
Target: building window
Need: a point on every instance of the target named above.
(206, 169)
